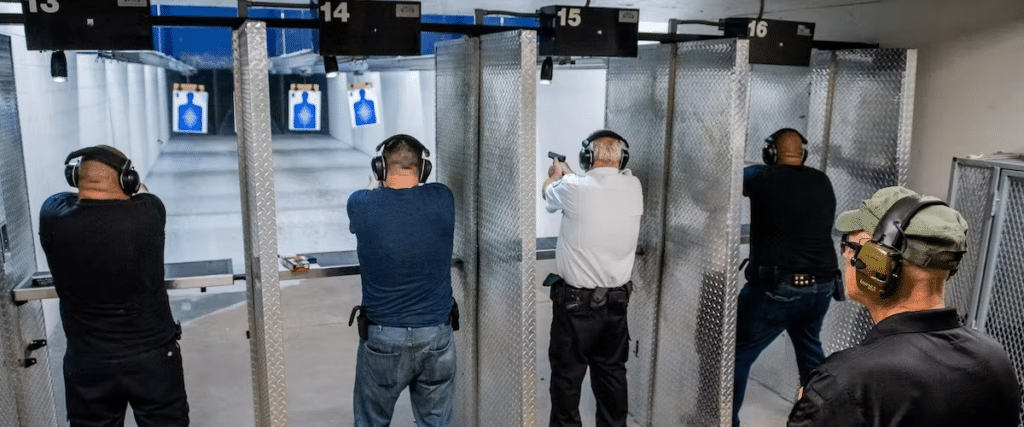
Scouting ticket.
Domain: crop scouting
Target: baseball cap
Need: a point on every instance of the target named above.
(936, 236)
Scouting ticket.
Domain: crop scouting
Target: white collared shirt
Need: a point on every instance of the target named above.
(601, 212)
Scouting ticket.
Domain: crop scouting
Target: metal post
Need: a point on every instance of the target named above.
(259, 223)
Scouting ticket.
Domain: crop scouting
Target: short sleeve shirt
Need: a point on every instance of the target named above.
(601, 212)
(404, 240)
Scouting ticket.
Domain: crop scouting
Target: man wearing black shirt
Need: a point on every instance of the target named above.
(105, 249)
(918, 366)
(792, 272)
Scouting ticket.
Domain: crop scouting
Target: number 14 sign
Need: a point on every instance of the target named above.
(363, 28)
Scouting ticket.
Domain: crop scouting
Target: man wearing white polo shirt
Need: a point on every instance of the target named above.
(601, 211)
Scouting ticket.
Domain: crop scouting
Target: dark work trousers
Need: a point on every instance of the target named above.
(598, 339)
(98, 390)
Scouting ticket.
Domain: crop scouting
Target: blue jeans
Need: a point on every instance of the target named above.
(762, 315)
(391, 359)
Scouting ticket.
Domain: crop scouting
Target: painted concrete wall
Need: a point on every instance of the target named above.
(102, 102)
(970, 100)
(568, 110)
(406, 105)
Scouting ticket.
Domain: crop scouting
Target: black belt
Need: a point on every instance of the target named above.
(568, 296)
(359, 315)
(798, 280)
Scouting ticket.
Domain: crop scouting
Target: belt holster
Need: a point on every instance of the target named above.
(177, 331)
(359, 315)
(598, 298)
(766, 276)
(453, 317)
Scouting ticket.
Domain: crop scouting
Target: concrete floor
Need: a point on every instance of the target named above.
(197, 179)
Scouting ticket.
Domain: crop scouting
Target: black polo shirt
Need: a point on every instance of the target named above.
(792, 209)
(919, 368)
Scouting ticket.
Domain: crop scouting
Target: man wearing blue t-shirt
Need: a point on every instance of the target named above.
(404, 233)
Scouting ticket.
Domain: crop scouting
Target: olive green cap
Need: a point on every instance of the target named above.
(936, 236)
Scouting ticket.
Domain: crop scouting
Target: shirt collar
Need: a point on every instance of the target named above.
(914, 321)
(607, 170)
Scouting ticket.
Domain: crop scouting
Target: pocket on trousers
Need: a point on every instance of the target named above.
(440, 364)
(781, 298)
(382, 365)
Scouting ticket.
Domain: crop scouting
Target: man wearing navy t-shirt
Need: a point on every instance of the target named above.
(404, 233)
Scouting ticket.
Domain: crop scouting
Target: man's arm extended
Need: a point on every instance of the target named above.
(555, 172)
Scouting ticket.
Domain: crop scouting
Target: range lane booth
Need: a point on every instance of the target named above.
(695, 110)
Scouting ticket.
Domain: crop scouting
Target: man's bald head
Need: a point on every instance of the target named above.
(96, 178)
(790, 147)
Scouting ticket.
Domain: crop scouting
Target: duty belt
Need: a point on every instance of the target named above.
(571, 297)
(798, 280)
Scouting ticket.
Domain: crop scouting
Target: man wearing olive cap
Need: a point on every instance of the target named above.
(918, 366)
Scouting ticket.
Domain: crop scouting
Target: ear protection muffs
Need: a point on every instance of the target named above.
(879, 262)
(128, 178)
(770, 153)
(587, 153)
(380, 165)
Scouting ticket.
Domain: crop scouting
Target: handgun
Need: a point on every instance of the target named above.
(553, 155)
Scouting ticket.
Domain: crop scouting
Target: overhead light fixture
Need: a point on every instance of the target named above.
(331, 66)
(547, 69)
(59, 67)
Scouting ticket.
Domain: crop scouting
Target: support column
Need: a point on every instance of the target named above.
(259, 224)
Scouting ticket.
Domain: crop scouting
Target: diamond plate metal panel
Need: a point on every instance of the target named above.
(697, 316)
(869, 148)
(457, 98)
(1001, 315)
(259, 222)
(795, 88)
(507, 227)
(638, 107)
(971, 192)
(820, 107)
(780, 98)
(27, 396)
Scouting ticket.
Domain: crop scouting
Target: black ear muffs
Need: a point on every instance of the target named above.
(128, 178)
(879, 263)
(587, 152)
(380, 165)
(770, 154)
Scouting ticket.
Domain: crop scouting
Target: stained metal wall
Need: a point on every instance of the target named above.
(697, 322)
(259, 224)
(457, 103)
(26, 395)
(638, 107)
(506, 336)
(779, 98)
(999, 308)
(869, 148)
(971, 192)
